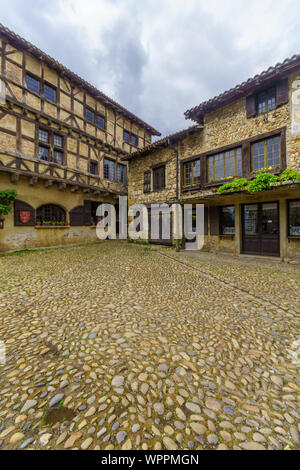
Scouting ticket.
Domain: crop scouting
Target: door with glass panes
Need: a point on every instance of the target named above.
(261, 231)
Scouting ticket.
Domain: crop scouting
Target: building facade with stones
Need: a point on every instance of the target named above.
(61, 144)
(252, 127)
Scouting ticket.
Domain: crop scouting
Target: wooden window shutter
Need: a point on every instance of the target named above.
(215, 220)
(87, 213)
(77, 216)
(251, 106)
(282, 92)
(163, 178)
(24, 214)
(205, 220)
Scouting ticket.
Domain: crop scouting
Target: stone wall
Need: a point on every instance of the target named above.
(222, 127)
(19, 238)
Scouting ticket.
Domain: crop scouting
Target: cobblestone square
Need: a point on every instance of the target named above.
(122, 346)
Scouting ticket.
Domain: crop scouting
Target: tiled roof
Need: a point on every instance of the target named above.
(25, 45)
(278, 71)
(165, 142)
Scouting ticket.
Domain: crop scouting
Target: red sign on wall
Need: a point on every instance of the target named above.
(25, 217)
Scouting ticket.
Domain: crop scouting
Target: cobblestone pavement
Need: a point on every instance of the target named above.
(119, 346)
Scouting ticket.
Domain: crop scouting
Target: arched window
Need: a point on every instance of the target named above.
(50, 215)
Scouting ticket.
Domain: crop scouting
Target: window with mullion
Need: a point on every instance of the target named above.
(50, 93)
(109, 169)
(89, 116)
(266, 154)
(191, 173)
(147, 182)
(121, 173)
(159, 177)
(51, 146)
(266, 100)
(32, 84)
(225, 165)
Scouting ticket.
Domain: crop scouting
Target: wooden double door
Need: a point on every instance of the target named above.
(261, 229)
(162, 235)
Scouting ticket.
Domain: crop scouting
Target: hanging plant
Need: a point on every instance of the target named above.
(7, 198)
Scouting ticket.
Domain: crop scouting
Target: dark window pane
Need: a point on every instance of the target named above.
(147, 182)
(227, 220)
(294, 218)
(126, 137)
(58, 157)
(266, 101)
(43, 153)
(58, 140)
(109, 170)
(50, 93)
(93, 168)
(121, 173)
(251, 219)
(43, 136)
(32, 84)
(100, 122)
(270, 219)
(89, 116)
(134, 140)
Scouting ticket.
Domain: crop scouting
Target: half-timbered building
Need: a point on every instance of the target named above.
(252, 128)
(61, 143)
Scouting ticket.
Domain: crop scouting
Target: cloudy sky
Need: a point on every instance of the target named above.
(160, 57)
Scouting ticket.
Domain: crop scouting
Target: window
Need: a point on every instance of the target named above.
(51, 146)
(225, 165)
(159, 178)
(50, 93)
(294, 218)
(100, 121)
(131, 139)
(58, 157)
(121, 173)
(32, 84)
(93, 167)
(43, 153)
(43, 136)
(147, 182)
(191, 174)
(266, 101)
(227, 218)
(109, 169)
(50, 214)
(134, 140)
(126, 136)
(89, 116)
(266, 154)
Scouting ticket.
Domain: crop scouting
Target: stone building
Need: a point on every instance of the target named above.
(61, 143)
(252, 127)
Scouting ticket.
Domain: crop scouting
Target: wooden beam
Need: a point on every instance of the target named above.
(62, 186)
(74, 189)
(48, 183)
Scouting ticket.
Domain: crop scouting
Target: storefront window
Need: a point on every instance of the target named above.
(228, 220)
(294, 218)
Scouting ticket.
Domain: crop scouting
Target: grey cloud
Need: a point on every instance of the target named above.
(157, 58)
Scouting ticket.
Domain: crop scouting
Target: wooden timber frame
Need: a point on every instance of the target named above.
(83, 141)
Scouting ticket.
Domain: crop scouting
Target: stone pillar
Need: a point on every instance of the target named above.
(238, 229)
(283, 228)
